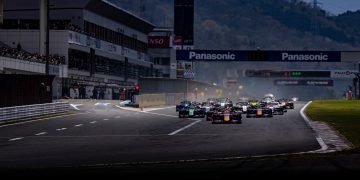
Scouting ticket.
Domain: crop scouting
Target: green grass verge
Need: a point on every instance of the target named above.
(343, 115)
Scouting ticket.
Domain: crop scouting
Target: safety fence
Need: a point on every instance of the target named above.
(18, 112)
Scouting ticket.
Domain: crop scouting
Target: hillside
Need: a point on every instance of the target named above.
(248, 24)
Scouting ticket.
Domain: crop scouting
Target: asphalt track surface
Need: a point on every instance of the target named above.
(105, 135)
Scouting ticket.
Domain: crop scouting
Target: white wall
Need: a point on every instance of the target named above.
(21, 65)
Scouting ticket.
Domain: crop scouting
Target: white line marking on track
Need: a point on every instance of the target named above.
(78, 125)
(105, 119)
(42, 133)
(61, 129)
(75, 106)
(181, 129)
(101, 104)
(138, 110)
(160, 114)
(42, 119)
(155, 109)
(93, 122)
(177, 131)
(307, 120)
(15, 139)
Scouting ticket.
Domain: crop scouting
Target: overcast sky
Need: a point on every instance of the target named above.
(338, 6)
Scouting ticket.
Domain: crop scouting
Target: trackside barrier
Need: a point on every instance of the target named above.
(17, 112)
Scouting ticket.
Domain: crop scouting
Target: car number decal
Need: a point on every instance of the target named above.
(191, 112)
(259, 112)
(226, 117)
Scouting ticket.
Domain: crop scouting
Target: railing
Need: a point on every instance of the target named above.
(17, 112)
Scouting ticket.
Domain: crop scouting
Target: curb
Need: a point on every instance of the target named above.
(321, 142)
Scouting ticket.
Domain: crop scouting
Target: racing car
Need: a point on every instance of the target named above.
(259, 110)
(207, 106)
(276, 108)
(227, 115)
(286, 103)
(192, 111)
(215, 108)
(182, 105)
(243, 106)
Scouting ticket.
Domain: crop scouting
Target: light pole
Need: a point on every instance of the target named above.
(47, 43)
(196, 90)
(186, 92)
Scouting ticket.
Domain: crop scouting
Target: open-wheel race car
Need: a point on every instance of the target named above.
(276, 108)
(192, 111)
(227, 115)
(260, 110)
(287, 104)
(182, 105)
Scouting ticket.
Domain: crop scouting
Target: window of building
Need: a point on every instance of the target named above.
(115, 37)
(79, 60)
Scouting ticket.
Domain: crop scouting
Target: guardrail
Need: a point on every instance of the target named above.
(17, 112)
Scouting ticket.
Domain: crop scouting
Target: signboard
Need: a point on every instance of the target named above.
(184, 21)
(189, 74)
(305, 56)
(290, 73)
(287, 82)
(210, 55)
(177, 40)
(343, 74)
(271, 56)
(87, 41)
(159, 41)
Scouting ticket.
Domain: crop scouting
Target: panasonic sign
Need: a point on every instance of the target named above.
(211, 56)
(304, 57)
(269, 56)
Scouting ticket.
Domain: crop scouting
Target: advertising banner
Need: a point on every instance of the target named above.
(210, 55)
(270, 56)
(344, 74)
(308, 82)
(91, 42)
(159, 41)
(305, 56)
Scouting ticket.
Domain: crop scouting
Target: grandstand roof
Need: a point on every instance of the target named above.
(104, 8)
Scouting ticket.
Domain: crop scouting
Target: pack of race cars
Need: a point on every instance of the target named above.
(223, 110)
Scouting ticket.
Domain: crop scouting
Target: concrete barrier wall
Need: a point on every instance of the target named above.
(148, 100)
(174, 98)
(170, 99)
